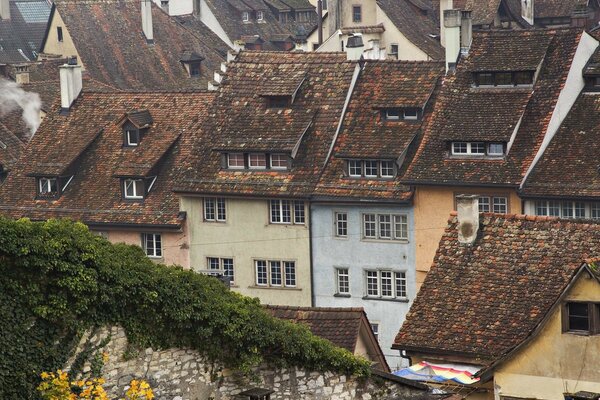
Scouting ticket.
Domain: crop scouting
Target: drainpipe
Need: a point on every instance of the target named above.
(313, 299)
(320, 20)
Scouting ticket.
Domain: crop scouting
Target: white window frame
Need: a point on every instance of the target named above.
(375, 330)
(287, 276)
(216, 202)
(470, 149)
(353, 168)
(230, 166)
(393, 168)
(245, 16)
(155, 251)
(128, 133)
(45, 186)
(392, 114)
(395, 220)
(135, 195)
(342, 288)
(394, 278)
(260, 16)
(410, 117)
(353, 164)
(250, 163)
(337, 221)
(495, 154)
(292, 207)
(280, 157)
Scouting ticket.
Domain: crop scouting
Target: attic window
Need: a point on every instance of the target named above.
(278, 101)
(132, 137)
(581, 318)
(372, 169)
(503, 78)
(592, 83)
(133, 189)
(396, 114)
(477, 149)
(245, 16)
(59, 33)
(257, 161)
(260, 16)
(48, 186)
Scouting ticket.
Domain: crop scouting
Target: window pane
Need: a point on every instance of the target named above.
(387, 169)
(275, 210)
(375, 328)
(400, 227)
(221, 213)
(152, 244)
(386, 283)
(392, 113)
(228, 268)
(235, 160)
(459, 148)
(275, 273)
(371, 169)
(355, 168)
(343, 281)
(567, 209)
(495, 149)
(356, 14)
(503, 78)
(541, 208)
(257, 160)
(485, 79)
(290, 273)
(213, 264)
(370, 225)
(341, 224)
(372, 284)
(411, 113)
(261, 272)
(286, 215)
(523, 78)
(400, 284)
(158, 245)
(279, 161)
(385, 226)
(578, 317)
(500, 205)
(484, 204)
(477, 148)
(209, 209)
(299, 212)
(132, 137)
(554, 208)
(595, 210)
(579, 209)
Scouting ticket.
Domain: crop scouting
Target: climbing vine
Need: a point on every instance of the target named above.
(58, 280)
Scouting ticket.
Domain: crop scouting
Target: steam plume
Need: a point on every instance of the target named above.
(13, 97)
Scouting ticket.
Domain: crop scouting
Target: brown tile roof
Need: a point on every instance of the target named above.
(22, 34)
(363, 29)
(593, 65)
(557, 8)
(88, 143)
(241, 121)
(364, 135)
(491, 114)
(483, 300)
(569, 167)
(417, 24)
(483, 12)
(10, 148)
(109, 39)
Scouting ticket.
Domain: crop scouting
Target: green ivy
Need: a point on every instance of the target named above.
(57, 280)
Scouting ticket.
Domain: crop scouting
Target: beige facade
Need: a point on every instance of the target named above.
(174, 244)
(247, 236)
(554, 362)
(54, 46)
(432, 207)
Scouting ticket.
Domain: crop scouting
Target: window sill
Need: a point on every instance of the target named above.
(394, 241)
(209, 221)
(395, 300)
(370, 178)
(274, 287)
(344, 295)
(580, 333)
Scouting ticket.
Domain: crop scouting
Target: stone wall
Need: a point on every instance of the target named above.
(180, 374)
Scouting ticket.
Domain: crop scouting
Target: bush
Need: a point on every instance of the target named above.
(57, 280)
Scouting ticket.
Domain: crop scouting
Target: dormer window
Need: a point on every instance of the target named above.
(392, 114)
(257, 161)
(133, 189)
(191, 61)
(260, 16)
(134, 125)
(503, 78)
(396, 114)
(279, 161)
(132, 137)
(235, 161)
(278, 101)
(48, 187)
(372, 169)
(478, 149)
(592, 83)
(245, 16)
(411, 114)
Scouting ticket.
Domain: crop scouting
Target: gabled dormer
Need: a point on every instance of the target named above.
(281, 92)
(257, 160)
(192, 63)
(50, 187)
(136, 188)
(135, 124)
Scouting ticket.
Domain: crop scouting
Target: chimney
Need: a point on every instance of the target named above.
(22, 74)
(147, 20)
(70, 83)
(466, 32)
(444, 5)
(527, 11)
(354, 47)
(468, 218)
(320, 21)
(452, 24)
(5, 9)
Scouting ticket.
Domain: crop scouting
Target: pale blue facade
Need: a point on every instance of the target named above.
(357, 255)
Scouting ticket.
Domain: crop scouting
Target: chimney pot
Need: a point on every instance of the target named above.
(70, 84)
(467, 207)
(5, 9)
(147, 20)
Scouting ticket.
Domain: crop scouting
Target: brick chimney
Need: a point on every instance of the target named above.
(467, 207)
(147, 20)
(452, 24)
(5, 9)
(70, 83)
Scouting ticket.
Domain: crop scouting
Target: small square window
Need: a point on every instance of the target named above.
(152, 244)
(375, 329)
(343, 280)
(245, 16)
(500, 205)
(392, 114)
(484, 204)
(355, 168)
(260, 16)
(394, 51)
(214, 209)
(411, 114)
(503, 79)
(371, 169)
(235, 161)
(133, 188)
(279, 161)
(484, 79)
(387, 169)
(257, 160)
(341, 224)
(48, 186)
(495, 149)
(459, 148)
(280, 212)
(578, 317)
(477, 148)
(195, 70)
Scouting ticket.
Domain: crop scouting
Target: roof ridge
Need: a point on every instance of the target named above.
(529, 217)
(307, 308)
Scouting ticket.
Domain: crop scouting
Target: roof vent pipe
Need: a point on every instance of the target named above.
(70, 83)
(147, 21)
(354, 47)
(467, 207)
(452, 24)
(5, 9)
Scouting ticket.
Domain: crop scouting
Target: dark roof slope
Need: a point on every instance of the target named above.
(109, 39)
(418, 25)
(557, 8)
(241, 121)
(21, 35)
(492, 114)
(366, 135)
(483, 12)
(485, 299)
(10, 148)
(570, 166)
(88, 142)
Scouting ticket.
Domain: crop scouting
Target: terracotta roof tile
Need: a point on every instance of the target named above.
(557, 8)
(22, 34)
(485, 299)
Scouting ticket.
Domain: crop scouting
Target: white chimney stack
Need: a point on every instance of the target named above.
(527, 11)
(22, 74)
(5, 9)
(467, 207)
(466, 32)
(354, 47)
(444, 5)
(70, 83)
(452, 23)
(147, 20)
